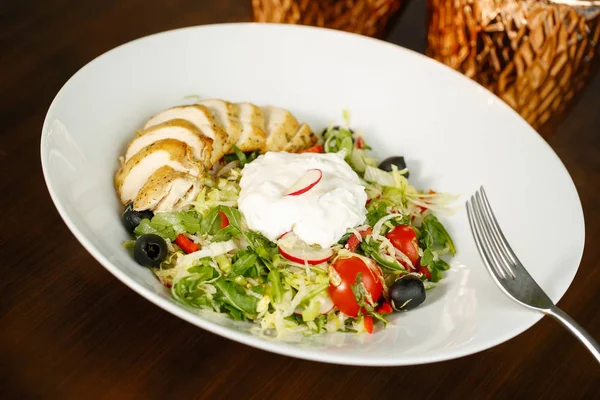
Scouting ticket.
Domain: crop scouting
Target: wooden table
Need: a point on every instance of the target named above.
(69, 329)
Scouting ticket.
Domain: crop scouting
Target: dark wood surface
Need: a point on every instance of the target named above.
(69, 329)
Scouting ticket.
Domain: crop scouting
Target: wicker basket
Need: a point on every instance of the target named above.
(366, 17)
(534, 54)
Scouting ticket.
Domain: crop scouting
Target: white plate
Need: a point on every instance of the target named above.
(455, 136)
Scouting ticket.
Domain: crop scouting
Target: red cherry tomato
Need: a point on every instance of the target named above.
(404, 238)
(347, 269)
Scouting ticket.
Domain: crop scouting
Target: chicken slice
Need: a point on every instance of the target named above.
(203, 119)
(178, 129)
(280, 127)
(226, 115)
(253, 136)
(167, 190)
(303, 139)
(135, 172)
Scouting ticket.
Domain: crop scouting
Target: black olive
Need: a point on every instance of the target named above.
(398, 161)
(150, 250)
(407, 293)
(132, 218)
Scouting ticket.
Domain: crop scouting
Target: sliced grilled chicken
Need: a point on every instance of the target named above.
(303, 139)
(166, 162)
(280, 127)
(253, 136)
(167, 190)
(203, 119)
(178, 129)
(226, 115)
(135, 172)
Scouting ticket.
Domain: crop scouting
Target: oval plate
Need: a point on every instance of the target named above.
(454, 134)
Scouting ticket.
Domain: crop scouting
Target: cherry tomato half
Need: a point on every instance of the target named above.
(404, 238)
(347, 269)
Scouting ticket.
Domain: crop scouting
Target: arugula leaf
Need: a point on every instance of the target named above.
(434, 236)
(189, 220)
(187, 289)
(146, 226)
(371, 249)
(229, 293)
(427, 258)
(376, 210)
(320, 322)
(260, 289)
(441, 264)
(274, 279)
(236, 314)
(233, 215)
(243, 260)
(252, 156)
(240, 155)
(203, 271)
(210, 223)
(224, 234)
(258, 243)
(435, 266)
(345, 238)
(436, 275)
(169, 225)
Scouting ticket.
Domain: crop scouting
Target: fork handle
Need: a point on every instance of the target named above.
(577, 330)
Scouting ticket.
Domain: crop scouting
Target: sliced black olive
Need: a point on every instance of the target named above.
(407, 293)
(398, 161)
(150, 250)
(132, 218)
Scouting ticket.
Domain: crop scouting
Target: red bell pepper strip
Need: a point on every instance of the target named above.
(360, 143)
(186, 244)
(368, 321)
(353, 242)
(314, 149)
(424, 270)
(384, 308)
(224, 220)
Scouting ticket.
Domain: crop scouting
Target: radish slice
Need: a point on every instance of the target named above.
(304, 184)
(296, 250)
(324, 308)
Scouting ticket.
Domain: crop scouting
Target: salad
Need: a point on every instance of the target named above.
(214, 254)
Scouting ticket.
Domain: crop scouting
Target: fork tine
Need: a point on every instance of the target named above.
(475, 230)
(487, 239)
(498, 231)
(496, 241)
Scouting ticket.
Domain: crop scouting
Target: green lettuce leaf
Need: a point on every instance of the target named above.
(233, 295)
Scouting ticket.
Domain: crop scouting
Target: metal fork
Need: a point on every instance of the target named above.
(508, 272)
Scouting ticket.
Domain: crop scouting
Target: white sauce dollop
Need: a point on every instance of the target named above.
(320, 216)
